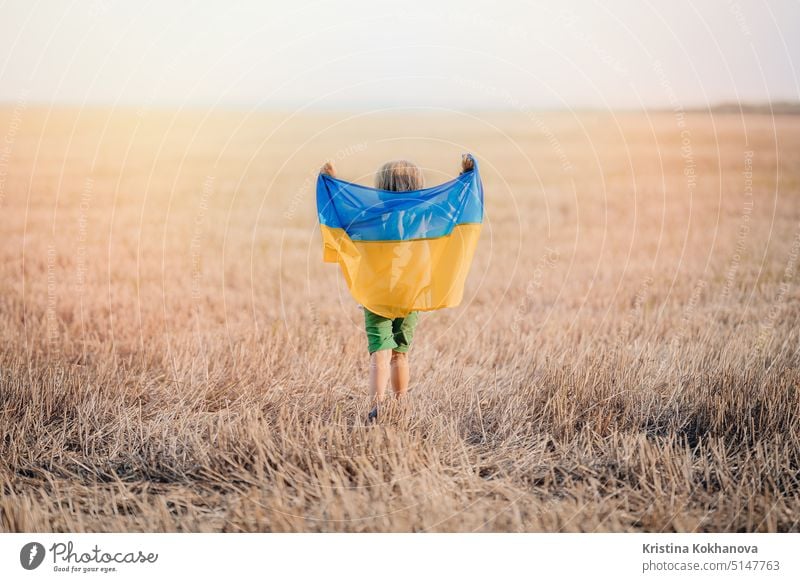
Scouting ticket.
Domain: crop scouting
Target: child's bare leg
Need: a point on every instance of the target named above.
(378, 375)
(399, 373)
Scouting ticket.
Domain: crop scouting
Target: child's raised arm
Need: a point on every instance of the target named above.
(327, 168)
(467, 163)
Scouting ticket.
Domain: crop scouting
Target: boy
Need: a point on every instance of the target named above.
(388, 339)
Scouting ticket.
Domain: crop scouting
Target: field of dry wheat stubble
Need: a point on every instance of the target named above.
(176, 357)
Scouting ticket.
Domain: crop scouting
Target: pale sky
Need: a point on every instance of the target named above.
(432, 53)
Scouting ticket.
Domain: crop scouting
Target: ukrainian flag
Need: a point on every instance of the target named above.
(402, 251)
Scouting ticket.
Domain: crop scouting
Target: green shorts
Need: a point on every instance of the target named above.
(389, 334)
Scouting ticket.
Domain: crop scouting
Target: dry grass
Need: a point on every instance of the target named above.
(175, 356)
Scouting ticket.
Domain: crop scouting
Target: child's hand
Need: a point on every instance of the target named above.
(328, 168)
(467, 163)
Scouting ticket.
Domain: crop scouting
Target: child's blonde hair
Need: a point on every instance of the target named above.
(399, 176)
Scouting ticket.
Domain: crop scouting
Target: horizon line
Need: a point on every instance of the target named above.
(782, 106)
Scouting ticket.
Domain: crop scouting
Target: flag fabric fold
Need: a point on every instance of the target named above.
(402, 251)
